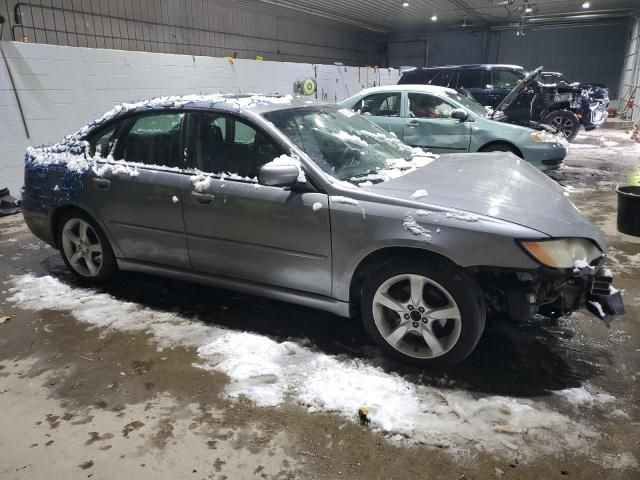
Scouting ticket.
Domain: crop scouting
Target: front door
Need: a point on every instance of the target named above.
(384, 109)
(429, 125)
(238, 228)
(141, 205)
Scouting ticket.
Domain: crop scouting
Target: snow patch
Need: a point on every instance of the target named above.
(288, 160)
(273, 373)
(418, 194)
(413, 227)
(581, 396)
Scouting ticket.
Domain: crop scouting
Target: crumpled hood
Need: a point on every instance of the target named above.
(498, 185)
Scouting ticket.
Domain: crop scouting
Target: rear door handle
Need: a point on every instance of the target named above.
(413, 123)
(202, 198)
(102, 183)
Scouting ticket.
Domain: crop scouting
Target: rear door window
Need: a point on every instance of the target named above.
(380, 105)
(443, 78)
(473, 79)
(101, 143)
(154, 139)
(504, 79)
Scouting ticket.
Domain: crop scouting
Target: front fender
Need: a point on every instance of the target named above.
(358, 230)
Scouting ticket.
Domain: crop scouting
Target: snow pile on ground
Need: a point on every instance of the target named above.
(272, 373)
(581, 396)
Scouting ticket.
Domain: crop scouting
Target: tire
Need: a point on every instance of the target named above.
(501, 147)
(421, 339)
(84, 248)
(565, 122)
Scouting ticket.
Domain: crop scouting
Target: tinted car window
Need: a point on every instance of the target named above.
(422, 105)
(242, 152)
(152, 139)
(380, 104)
(504, 79)
(473, 78)
(101, 143)
(419, 77)
(443, 78)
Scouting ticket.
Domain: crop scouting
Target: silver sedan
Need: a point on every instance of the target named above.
(312, 204)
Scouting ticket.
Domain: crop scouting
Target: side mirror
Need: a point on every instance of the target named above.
(278, 175)
(460, 115)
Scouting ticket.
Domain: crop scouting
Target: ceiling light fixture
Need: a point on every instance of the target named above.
(528, 9)
(434, 18)
(405, 4)
(586, 5)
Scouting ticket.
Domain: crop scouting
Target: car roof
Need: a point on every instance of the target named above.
(216, 102)
(471, 66)
(406, 87)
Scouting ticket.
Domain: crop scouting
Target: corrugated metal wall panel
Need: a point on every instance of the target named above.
(592, 53)
(589, 54)
(197, 27)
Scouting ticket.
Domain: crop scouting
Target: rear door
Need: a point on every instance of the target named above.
(139, 199)
(502, 82)
(477, 83)
(383, 109)
(238, 228)
(429, 124)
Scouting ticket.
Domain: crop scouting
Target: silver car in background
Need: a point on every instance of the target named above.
(310, 203)
(444, 121)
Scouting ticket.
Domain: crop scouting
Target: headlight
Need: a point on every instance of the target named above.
(544, 137)
(563, 253)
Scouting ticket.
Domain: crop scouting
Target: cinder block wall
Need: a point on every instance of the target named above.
(63, 88)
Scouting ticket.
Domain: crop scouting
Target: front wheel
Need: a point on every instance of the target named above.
(430, 315)
(565, 122)
(85, 248)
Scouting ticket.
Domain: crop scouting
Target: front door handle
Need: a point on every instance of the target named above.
(102, 183)
(202, 198)
(413, 123)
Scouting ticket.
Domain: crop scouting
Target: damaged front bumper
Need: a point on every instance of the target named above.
(552, 293)
(602, 298)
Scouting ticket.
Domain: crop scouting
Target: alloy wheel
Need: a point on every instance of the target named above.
(563, 125)
(82, 247)
(417, 316)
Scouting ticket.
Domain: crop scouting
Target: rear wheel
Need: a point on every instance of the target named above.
(565, 122)
(429, 315)
(84, 248)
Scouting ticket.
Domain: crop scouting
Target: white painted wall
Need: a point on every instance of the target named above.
(63, 88)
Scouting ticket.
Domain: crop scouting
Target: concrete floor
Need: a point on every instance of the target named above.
(81, 402)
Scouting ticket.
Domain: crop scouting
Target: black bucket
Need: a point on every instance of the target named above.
(629, 210)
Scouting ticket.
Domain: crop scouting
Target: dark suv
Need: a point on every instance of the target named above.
(563, 106)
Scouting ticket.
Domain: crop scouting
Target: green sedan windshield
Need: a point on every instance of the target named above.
(342, 143)
(467, 103)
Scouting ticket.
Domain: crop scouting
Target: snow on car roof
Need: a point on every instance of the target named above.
(222, 101)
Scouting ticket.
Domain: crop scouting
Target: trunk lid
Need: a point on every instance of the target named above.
(498, 185)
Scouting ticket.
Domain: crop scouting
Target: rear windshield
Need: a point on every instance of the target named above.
(417, 77)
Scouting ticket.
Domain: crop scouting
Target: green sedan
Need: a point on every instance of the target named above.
(444, 121)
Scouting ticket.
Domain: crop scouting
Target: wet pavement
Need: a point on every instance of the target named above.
(82, 400)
